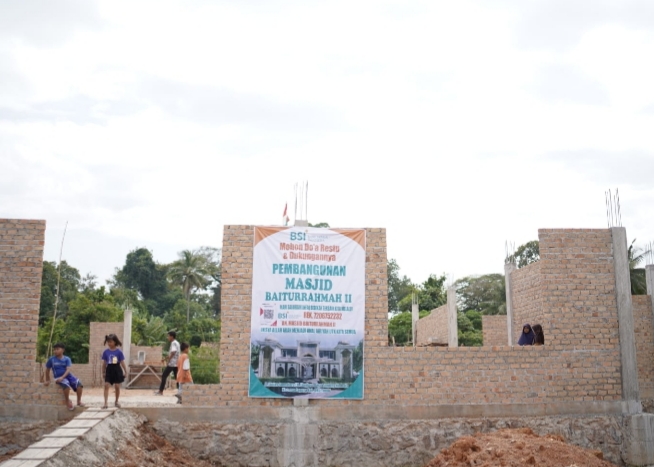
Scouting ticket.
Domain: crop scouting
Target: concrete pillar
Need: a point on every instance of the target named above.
(649, 277)
(127, 338)
(508, 269)
(452, 323)
(415, 316)
(630, 391)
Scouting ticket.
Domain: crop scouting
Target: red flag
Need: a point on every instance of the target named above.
(285, 218)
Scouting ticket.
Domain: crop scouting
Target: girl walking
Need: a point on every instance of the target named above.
(113, 367)
(184, 377)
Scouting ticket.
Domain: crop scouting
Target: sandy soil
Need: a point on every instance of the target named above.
(17, 435)
(519, 447)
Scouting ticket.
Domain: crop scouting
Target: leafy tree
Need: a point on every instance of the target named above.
(399, 327)
(69, 286)
(468, 334)
(142, 274)
(213, 256)
(43, 337)
(84, 309)
(191, 271)
(526, 254)
(398, 287)
(485, 294)
(475, 319)
(431, 294)
(150, 332)
(637, 275)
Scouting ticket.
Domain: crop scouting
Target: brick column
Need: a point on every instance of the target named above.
(21, 268)
(508, 269)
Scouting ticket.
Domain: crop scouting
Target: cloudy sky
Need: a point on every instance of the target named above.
(454, 125)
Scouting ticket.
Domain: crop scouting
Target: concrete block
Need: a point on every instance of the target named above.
(20, 463)
(57, 443)
(37, 454)
(91, 415)
(67, 433)
(77, 423)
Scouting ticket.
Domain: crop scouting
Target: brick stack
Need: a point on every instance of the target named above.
(433, 328)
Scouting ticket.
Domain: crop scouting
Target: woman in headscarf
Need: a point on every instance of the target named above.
(526, 336)
(539, 337)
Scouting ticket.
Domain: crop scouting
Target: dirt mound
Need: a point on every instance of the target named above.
(516, 448)
(148, 448)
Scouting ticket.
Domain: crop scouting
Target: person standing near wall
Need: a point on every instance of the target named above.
(539, 337)
(526, 336)
(171, 361)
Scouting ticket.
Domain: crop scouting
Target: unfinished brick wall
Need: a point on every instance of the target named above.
(644, 335)
(558, 372)
(21, 266)
(578, 296)
(152, 354)
(526, 288)
(433, 327)
(494, 330)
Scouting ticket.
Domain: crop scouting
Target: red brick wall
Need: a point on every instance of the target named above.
(526, 288)
(579, 308)
(494, 330)
(644, 334)
(562, 371)
(433, 327)
(21, 265)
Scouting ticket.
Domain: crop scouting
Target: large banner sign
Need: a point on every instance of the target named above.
(308, 312)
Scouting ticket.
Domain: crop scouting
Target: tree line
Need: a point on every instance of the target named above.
(183, 295)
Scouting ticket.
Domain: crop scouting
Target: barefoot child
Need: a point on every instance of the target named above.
(183, 371)
(113, 367)
(60, 366)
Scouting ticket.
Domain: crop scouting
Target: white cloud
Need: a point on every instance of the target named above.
(456, 126)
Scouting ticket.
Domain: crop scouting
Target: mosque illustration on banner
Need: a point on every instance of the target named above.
(306, 361)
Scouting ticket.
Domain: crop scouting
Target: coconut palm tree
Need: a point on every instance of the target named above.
(191, 271)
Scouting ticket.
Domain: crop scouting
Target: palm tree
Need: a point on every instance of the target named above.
(191, 271)
(637, 275)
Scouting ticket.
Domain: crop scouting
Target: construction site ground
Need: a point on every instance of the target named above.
(127, 440)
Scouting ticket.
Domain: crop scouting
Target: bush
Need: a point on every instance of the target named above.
(205, 362)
